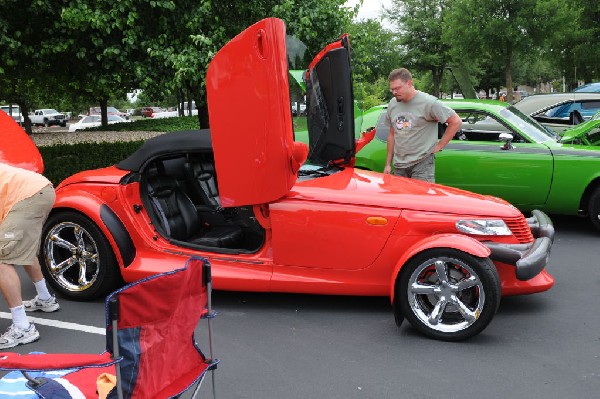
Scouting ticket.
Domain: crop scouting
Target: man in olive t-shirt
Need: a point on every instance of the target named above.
(412, 117)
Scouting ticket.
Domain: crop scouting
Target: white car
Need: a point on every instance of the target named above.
(295, 109)
(94, 121)
(165, 114)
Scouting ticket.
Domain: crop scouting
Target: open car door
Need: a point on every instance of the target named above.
(330, 105)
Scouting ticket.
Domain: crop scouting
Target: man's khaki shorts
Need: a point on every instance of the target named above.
(422, 170)
(21, 230)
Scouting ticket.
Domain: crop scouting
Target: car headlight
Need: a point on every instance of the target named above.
(483, 227)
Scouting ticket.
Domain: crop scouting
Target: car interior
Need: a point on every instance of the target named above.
(481, 126)
(476, 126)
(180, 194)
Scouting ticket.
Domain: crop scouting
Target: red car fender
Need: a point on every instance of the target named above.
(454, 241)
(88, 205)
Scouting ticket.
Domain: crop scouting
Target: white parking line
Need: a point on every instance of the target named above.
(60, 324)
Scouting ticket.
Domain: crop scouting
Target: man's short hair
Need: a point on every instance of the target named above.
(401, 73)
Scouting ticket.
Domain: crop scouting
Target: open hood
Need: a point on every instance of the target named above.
(330, 105)
(16, 147)
(256, 158)
(580, 131)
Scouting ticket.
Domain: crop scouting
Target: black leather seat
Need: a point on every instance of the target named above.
(200, 176)
(179, 219)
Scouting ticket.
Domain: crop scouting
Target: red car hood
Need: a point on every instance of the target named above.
(256, 157)
(356, 186)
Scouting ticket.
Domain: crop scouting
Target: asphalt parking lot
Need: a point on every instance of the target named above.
(300, 346)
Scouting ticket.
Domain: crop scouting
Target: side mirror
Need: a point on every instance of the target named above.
(507, 138)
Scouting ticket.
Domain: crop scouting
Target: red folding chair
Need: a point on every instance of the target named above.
(150, 344)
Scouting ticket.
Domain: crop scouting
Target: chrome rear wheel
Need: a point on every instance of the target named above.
(76, 258)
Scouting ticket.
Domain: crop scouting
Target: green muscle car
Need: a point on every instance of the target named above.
(503, 152)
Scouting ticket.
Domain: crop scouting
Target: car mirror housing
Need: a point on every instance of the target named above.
(507, 138)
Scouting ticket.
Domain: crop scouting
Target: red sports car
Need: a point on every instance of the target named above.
(244, 196)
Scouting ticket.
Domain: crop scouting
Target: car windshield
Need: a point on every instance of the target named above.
(91, 119)
(11, 108)
(113, 110)
(533, 129)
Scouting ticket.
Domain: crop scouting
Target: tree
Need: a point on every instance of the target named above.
(32, 44)
(502, 31)
(206, 26)
(375, 50)
(97, 50)
(419, 24)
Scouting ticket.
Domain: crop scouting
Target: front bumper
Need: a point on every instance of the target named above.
(528, 259)
(59, 122)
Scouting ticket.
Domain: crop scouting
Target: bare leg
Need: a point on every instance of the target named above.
(34, 271)
(10, 285)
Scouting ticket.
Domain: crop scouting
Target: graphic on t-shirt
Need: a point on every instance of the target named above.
(402, 123)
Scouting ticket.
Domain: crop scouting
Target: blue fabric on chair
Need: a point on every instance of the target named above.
(14, 385)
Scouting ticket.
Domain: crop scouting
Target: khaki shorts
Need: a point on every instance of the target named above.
(20, 231)
(422, 170)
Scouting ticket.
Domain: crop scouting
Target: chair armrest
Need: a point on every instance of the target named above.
(53, 361)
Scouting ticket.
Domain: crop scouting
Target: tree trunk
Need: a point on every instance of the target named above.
(104, 112)
(25, 112)
(180, 99)
(508, 74)
(436, 74)
(203, 115)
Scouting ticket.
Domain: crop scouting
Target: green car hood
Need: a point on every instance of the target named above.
(579, 131)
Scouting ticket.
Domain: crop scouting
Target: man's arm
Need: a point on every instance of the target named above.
(390, 152)
(454, 125)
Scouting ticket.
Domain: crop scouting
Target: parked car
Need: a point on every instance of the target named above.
(166, 114)
(298, 109)
(559, 111)
(589, 88)
(14, 111)
(246, 200)
(148, 112)
(518, 95)
(94, 121)
(189, 108)
(539, 169)
(48, 117)
(109, 111)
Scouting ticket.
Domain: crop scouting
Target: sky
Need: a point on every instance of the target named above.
(370, 8)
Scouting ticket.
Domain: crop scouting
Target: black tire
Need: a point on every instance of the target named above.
(46, 123)
(594, 208)
(470, 290)
(63, 124)
(72, 245)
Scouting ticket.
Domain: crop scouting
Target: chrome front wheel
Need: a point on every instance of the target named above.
(448, 294)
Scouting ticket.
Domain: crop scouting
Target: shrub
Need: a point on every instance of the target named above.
(63, 160)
